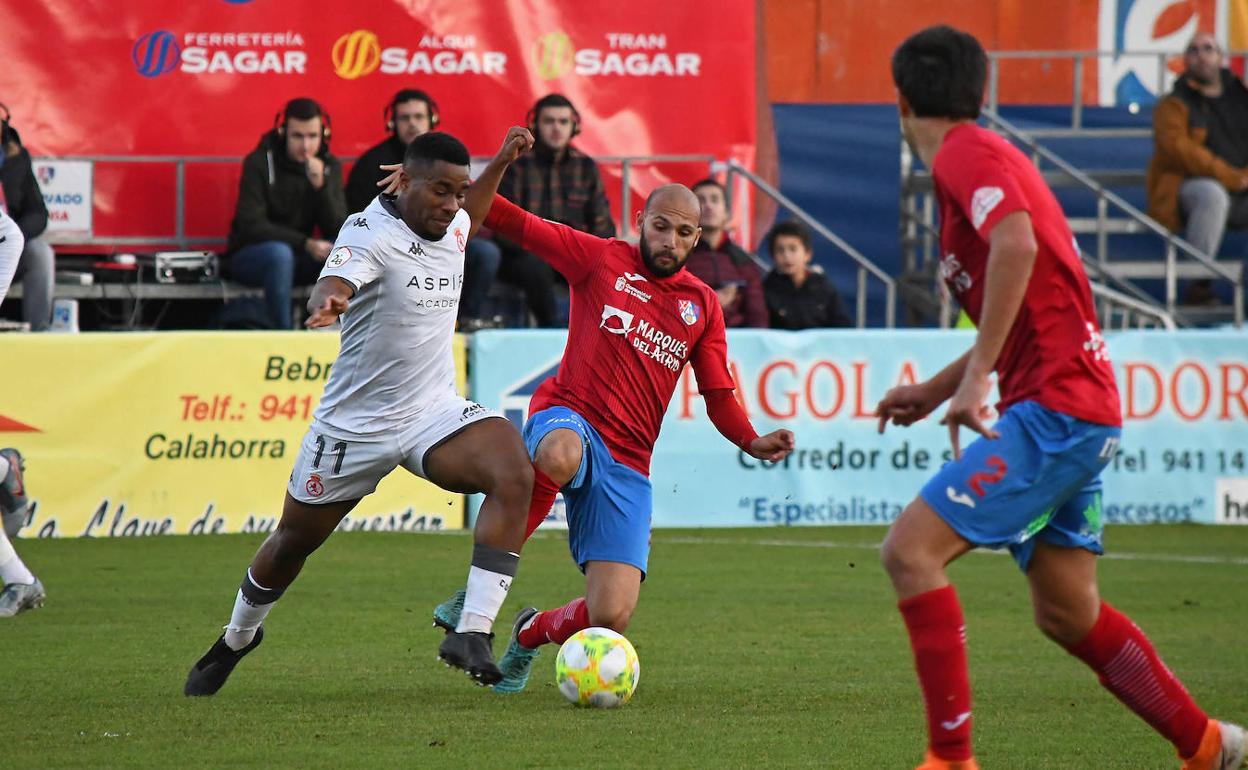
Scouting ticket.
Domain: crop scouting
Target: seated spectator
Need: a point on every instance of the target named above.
(797, 296)
(21, 198)
(1198, 176)
(557, 182)
(723, 265)
(410, 114)
(291, 187)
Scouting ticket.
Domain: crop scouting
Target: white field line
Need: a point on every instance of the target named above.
(1153, 557)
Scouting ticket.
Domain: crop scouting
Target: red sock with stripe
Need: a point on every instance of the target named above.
(544, 491)
(1128, 666)
(555, 626)
(938, 639)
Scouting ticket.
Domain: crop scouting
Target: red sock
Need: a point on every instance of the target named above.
(938, 639)
(1128, 666)
(555, 626)
(544, 491)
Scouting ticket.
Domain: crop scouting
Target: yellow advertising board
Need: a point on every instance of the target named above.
(180, 433)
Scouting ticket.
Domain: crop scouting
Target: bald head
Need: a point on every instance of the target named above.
(669, 228)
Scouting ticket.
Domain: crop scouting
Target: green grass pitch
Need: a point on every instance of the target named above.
(759, 648)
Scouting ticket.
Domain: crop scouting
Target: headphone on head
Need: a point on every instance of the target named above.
(412, 95)
(552, 100)
(327, 125)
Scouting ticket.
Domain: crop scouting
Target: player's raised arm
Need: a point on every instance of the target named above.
(484, 187)
(568, 250)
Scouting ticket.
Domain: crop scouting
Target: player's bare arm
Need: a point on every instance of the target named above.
(329, 300)
(905, 405)
(1011, 257)
(481, 194)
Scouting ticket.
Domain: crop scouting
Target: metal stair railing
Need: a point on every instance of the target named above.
(865, 266)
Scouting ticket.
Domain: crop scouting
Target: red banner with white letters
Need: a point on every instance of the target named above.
(149, 77)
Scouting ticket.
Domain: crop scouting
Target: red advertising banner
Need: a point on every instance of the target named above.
(205, 78)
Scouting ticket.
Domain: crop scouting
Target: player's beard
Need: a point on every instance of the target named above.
(648, 258)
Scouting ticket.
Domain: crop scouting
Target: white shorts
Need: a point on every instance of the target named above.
(336, 465)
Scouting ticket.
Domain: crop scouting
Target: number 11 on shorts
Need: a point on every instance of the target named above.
(340, 448)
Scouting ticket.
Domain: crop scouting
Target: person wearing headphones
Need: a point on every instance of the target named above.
(290, 200)
(22, 200)
(556, 182)
(412, 113)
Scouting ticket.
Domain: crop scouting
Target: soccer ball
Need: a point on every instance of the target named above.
(597, 667)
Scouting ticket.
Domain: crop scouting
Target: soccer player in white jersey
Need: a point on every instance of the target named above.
(394, 276)
(21, 590)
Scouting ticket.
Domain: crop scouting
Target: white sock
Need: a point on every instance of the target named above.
(12, 570)
(246, 617)
(484, 598)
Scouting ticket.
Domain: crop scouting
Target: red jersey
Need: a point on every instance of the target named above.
(1054, 353)
(630, 333)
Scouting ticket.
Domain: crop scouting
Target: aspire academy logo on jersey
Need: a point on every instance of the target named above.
(359, 53)
(626, 54)
(161, 51)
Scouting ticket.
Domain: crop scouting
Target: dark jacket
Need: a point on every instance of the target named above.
(813, 305)
(730, 264)
(1180, 129)
(565, 189)
(276, 201)
(364, 176)
(21, 191)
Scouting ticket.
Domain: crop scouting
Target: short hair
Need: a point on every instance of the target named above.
(941, 72)
(302, 108)
(429, 148)
(793, 229)
(709, 182)
(552, 100)
(406, 95)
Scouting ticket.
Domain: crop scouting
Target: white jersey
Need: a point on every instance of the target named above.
(11, 243)
(396, 356)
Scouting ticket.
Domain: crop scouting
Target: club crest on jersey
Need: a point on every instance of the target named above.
(315, 486)
(459, 238)
(689, 311)
(339, 257)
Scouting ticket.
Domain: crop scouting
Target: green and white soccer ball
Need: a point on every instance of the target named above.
(597, 667)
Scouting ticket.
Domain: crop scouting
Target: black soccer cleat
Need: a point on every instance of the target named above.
(473, 653)
(210, 672)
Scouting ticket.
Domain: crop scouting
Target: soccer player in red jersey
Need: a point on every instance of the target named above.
(1031, 483)
(637, 319)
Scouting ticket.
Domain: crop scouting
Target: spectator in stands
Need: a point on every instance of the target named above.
(723, 265)
(1199, 172)
(21, 198)
(410, 114)
(799, 297)
(291, 187)
(557, 182)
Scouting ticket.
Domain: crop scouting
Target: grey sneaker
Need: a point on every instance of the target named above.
(517, 661)
(19, 597)
(446, 615)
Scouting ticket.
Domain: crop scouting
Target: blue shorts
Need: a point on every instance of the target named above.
(609, 503)
(1040, 479)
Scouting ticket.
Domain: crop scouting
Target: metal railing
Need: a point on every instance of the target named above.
(1077, 59)
(865, 265)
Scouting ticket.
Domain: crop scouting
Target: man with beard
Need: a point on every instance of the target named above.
(637, 318)
(1199, 173)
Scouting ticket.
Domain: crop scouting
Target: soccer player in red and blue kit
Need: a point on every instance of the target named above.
(637, 318)
(1031, 483)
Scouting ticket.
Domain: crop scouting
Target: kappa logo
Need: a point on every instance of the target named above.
(471, 411)
(338, 257)
(983, 201)
(361, 222)
(416, 250)
(616, 321)
(622, 283)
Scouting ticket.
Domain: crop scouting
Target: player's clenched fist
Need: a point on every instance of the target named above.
(518, 142)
